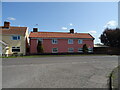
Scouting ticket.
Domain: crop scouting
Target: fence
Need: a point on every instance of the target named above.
(107, 50)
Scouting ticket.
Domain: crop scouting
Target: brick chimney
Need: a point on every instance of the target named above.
(72, 31)
(6, 24)
(35, 29)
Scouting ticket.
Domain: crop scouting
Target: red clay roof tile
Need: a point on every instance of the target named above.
(59, 35)
(13, 30)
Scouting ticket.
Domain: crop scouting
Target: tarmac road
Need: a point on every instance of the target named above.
(57, 72)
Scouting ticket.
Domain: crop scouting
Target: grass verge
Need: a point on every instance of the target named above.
(35, 56)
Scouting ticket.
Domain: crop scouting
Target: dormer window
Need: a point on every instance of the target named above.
(16, 37)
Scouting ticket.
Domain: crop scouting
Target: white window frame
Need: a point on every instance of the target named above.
(54, 41)
(17, 36)
(53, 51)
(80, 41)
(15, 48)
(90, 50)
(69, 41)
(80, 50)
(69, 49)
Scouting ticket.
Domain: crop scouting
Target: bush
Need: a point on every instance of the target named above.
(85, 48)
(40, 47)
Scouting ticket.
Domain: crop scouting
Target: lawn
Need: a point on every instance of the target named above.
(35, 56)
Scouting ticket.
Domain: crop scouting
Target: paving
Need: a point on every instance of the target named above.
(57, 72)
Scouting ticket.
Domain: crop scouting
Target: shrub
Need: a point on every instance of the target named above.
(40, 47)
(85, 48)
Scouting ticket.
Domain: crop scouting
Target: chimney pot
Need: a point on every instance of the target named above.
(72, 31)
(35, 29)
(6, 24)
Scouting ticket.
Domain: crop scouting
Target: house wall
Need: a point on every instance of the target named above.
(33, 45)
(62, 45)
(15, 43)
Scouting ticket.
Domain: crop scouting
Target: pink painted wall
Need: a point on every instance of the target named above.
(33, 45)
(62, 45)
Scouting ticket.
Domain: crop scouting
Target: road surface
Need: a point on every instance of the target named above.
(58, 72)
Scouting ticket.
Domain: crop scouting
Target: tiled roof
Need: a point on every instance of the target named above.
(59, 35)
(13, 30)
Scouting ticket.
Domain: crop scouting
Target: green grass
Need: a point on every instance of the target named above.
(35, 56)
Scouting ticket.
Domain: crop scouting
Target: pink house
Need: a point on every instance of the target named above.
(60, 42)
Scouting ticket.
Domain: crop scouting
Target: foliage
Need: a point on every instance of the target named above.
(85, 48)
(111, 37)
(39, 47)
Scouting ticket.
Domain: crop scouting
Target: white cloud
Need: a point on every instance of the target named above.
(92, 32)
(111, 24)
(11, 18)
(64, 28)
(71, 24)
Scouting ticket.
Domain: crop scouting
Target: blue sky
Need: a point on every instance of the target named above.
(84, 17)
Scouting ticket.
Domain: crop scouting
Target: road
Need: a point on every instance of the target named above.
(58, 72)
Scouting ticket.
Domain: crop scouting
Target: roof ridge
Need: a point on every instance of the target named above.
(59, 32)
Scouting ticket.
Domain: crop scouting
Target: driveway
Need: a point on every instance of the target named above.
(58, 72)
